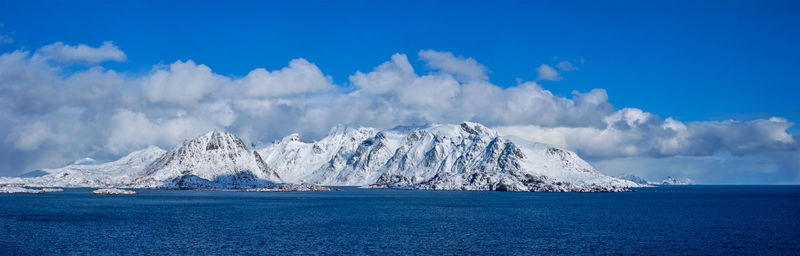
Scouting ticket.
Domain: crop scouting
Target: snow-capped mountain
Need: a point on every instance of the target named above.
(297, 161)
(669, 180)
(116, 173)
(214, 160)
(634, 178)
(468, 156)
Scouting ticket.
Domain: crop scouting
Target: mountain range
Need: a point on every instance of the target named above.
(466, 156)
(669, 180)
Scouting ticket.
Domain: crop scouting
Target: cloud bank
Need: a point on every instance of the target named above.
(52, 115)
(82, 53)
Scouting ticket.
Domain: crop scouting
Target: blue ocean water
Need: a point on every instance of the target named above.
(720, 220)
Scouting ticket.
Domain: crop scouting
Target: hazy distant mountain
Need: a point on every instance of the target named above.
(116, 173)
(669, 180)
(33, 174)
(634, 178)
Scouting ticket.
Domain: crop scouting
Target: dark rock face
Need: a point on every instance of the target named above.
(262, 166)
(241, 180)
(482, 181)
(392, 179)
(189, 181)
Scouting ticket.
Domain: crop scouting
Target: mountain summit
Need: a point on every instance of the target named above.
(216, 159)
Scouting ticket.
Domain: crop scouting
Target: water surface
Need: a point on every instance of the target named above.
(721, 220)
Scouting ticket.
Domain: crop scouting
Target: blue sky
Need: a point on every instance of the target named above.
(690, 60)
(694, 60)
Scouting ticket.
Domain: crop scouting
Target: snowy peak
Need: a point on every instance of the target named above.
(216, 159)
(477, 129)
(217, 140)
(294, 137)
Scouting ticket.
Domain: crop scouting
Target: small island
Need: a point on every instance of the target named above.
(24, 190)
(113, 191)
(16, 189)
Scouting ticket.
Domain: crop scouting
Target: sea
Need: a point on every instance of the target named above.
(666, 220)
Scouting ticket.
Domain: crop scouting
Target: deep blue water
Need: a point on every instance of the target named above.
(720, 220)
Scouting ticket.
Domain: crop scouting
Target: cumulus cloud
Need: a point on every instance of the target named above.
(30, 136)
(633, 132)
(547, 73)
(464, 69)
(82, 53)
(28, 85)
(566, 66)
(387, 77)
(52, 117)
(132, 130)
(299, 77)
(181, 83)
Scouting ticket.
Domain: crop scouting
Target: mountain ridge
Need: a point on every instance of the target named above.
(466, 156)
(410, 157)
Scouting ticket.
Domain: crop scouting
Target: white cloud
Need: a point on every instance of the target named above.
(82, 53)
(69, 115)
(386, 77)
(132, 130)
(94, 88)
(566, 66)
(633, 132)
(430, 91)
(30, 136)
(546, 72)
(299, 77)
(182, 83)
(220, 112)
(28, 85)
(464, 69)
